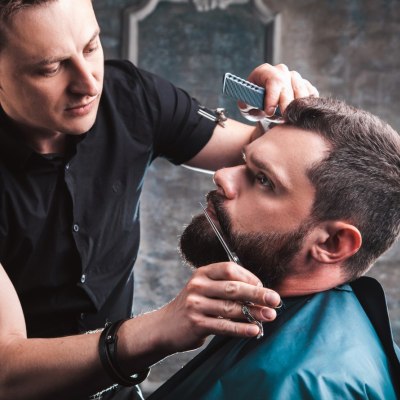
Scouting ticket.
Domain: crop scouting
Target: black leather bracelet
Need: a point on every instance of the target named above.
(108, 356)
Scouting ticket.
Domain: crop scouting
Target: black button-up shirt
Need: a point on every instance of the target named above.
(69, 224)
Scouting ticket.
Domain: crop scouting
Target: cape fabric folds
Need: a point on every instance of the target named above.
(322, 346)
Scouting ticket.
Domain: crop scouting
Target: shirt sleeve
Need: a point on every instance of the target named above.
(182, 132)
(164, 114)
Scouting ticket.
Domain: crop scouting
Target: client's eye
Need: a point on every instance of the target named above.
(264, 181)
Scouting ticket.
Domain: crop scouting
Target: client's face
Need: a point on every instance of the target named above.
(262, 208)
(266, 254)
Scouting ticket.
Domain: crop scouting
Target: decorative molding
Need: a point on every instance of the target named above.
(208, 5)
(134, 14)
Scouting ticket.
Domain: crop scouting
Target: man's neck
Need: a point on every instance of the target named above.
(40, 140)
(47, 143)
(322, 278)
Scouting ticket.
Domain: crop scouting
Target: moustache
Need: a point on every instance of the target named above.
(217, 201)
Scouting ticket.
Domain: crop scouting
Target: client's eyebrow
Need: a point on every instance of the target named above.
(278, 176)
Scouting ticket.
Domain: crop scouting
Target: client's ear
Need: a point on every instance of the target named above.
(335, 241)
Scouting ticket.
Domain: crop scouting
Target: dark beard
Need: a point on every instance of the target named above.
(266, 255)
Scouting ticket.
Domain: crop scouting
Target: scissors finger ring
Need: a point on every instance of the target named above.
(246, 312)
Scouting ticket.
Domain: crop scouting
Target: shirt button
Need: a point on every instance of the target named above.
(76, 228)
(67, 166)
(83, 278)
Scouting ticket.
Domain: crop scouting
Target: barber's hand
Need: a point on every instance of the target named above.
(211, 303)
(281, 85)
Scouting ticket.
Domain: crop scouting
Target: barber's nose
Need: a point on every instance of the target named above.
(84, 81)
(227, 181)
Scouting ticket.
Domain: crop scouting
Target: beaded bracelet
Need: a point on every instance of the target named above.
(108, 356)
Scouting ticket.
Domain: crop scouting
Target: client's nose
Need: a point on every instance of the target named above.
(226, 181)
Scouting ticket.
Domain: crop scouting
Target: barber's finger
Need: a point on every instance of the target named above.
(282, 86)
(287, 94)
(230, 271)
(300, 89)
(312, 90)
(220, 326)
(278, 90)
(241, 292)
(273, 98)
(261, 313)
(273, 79)
(234, 310)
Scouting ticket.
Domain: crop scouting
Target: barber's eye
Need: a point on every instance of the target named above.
(263, 180)
(92, 48)
(50, 72)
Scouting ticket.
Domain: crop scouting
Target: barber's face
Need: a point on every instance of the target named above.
(51, 70)
(262, 207)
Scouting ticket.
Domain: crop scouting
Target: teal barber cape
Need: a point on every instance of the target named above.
(322, 346)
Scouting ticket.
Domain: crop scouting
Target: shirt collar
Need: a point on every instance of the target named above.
(15, 152)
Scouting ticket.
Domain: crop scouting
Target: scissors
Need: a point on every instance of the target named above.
(234, 258)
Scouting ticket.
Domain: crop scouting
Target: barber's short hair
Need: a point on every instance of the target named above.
(8, 8)
(359, 180)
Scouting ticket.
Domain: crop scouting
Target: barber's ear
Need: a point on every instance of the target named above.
(335, 241)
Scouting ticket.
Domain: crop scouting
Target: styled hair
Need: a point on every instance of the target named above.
(359, 180)
(8, 8)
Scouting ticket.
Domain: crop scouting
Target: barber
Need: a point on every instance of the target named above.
(77, 135)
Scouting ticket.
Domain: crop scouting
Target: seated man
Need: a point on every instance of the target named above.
(314, 205)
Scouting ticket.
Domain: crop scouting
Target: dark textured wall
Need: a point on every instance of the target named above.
(186, 51)
(347, 48)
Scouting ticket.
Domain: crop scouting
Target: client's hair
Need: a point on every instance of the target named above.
(359, 180)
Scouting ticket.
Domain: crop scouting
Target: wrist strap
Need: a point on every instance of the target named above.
(108, 356)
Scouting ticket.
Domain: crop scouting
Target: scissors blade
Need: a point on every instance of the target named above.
(231, 255)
